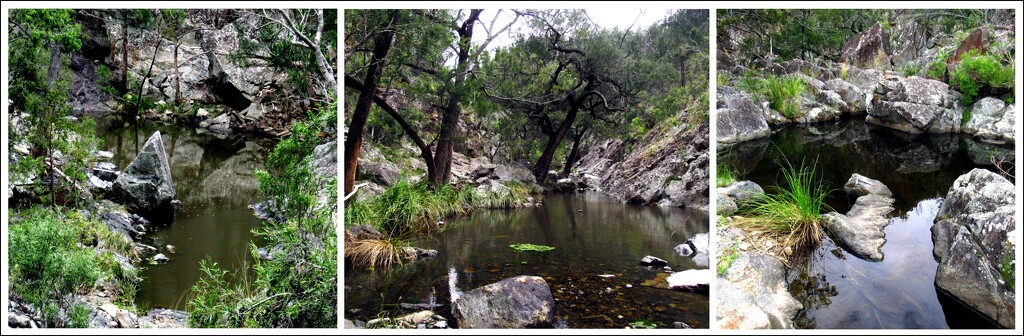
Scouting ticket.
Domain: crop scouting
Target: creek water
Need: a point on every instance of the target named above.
(213, 179)
(593, 235)
(837, 289)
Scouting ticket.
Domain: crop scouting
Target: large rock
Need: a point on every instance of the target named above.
(910, 41)
(868, 49)
(146, 186)
(853, 98)
(384, 173)
(739, 118)
(861, 231)
(753, 294)
(513, 303)
(991, 119)
(977, 40)
(973, 241)
(917, 105)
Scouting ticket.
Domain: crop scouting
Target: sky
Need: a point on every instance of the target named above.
(606, 17)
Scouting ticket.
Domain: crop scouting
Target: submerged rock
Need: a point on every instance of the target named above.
(653, 261)
(972, 243)
(512, 303)
(753, 294)
(146, 186)
(861, 230)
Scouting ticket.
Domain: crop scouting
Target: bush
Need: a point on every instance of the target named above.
(791, 213)
(298, 286)
(981, 75)
(52, 257)
(936, 70)
(783, 94)
(911, 69)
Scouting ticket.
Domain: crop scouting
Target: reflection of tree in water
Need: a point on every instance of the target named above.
(810, 286)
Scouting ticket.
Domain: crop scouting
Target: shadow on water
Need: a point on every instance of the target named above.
(607, 237)
(837, 289)
(213, 179)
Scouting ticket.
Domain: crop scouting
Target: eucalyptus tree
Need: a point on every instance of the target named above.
(432, 59)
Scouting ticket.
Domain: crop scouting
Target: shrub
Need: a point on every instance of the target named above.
(52, 257)
(793, 212)
(783, 94)
(936, 70)
(298, 286)
(911, 69)
(980, 74)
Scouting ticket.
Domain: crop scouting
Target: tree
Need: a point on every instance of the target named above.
(39, 41)
(567, 68)
(424, 70)
(367, 92)
(303, 38)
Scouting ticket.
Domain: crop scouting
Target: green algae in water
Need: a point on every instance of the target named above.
(530, 247)
(641, 324)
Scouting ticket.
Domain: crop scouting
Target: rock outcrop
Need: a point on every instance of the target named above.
(916, 105)
(668, 167)
(739, 117)
(974, 244)
(753, 294)
(513, 303)
(861, 231)
(146, 186)
(868, 49)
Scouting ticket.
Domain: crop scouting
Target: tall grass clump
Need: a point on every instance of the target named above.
(783, 94)
(723, 175)
(792, 213)
(55, 254)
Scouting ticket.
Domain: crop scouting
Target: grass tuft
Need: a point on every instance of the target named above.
(792, 213)
(783, 94)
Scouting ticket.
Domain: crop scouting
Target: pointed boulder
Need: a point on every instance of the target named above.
(145, 186)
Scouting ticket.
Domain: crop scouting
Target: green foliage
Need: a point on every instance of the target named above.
(642, 324)
(526, 247)
(728, 256)
(911, 69)
(723, 175)
(296, 60)
(722, 79)
(783, 94)
(52, 257)
(936, 70)
(1006, 270)
(297, 288)
(793, 211)
(981, 75)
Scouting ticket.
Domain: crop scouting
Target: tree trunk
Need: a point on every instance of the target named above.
(51, 77)
(354, 138)
(540, 169)
(177, 75)
(124, 51)
(574, 153)
(450, 118)
(145, 76)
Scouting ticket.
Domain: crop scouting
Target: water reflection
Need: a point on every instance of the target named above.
(592, 235)
(839, 290)
(213, 179)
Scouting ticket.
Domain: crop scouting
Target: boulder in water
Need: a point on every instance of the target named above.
(146, 186)
(513, 303)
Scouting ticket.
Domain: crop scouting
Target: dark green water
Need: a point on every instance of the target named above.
(839, 290)
(214, 181)
(607, 237)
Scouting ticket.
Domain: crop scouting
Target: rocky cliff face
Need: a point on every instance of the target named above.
(668, 167)
(199, 70)
(975, 239)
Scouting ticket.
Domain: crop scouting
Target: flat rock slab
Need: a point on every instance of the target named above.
(861, 231)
